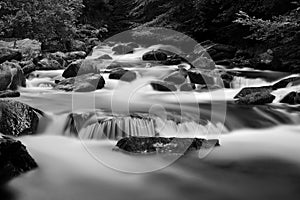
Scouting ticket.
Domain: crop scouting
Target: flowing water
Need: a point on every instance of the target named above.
(74, 147)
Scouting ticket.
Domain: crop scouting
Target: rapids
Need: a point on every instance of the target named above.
(74, 147)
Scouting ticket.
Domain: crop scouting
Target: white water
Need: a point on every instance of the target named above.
(250, 164)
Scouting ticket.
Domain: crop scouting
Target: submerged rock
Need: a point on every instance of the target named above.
(17, 119)
(163, 86)
(176, 78)
(155, 56)
(9, 94)
(123, 75)
(105, 57)
(292, 98)
(11, 76)
(83, 83)
(164, 145)
(250, 90)
(257, 98)
(14, 159)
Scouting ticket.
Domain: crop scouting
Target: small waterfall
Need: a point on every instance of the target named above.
(240, 82)
(89, 126)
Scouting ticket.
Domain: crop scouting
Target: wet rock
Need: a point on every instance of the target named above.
(11, 76)
(7, 54)
(187, 87)
(163, 86)
(197, 77)
(122, 49)
(256, 98)
(114, 66)
(81, 67)
(123, 75)
(72, 69)
(28, 68)
(251, 90)
(204, 63)
(287, 82)
(17, 119)
(9, 94)
(60, 57)
(148, 145)
(105, 57)
(176, 78)
(155, 56)
(48, 64)
(83, 83)
(293, 98)
(14, 159)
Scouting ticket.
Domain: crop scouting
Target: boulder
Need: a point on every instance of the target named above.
(146, 145)
(122, 49)
(9, 94)
(250, 90)
(155, 56)
(204, 63)
(133, 45)
(59, 56)
(7, 54)
(48, 64)
(163, 86)
(114, 66)
(292, 81)
(123, 75)
(176, 78)
(11, 76)
(256, 98)
(197, 77)
(83, 83)
(17, 119)
(187, 87)
(14, 159)
(72, 69)
(28, 67)
(293, 98)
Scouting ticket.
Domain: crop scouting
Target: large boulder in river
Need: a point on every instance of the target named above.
(293, 98)
(292, 81)
(155, 56)
(17, 119)
(256, 98)
(83, 83)
(123, 75)
(122, 49)
(144, 145)
(11, 76)
(163, 86)
(14, 159)
(176, 78)
(250, 90)
(7, 54)
(81, 67)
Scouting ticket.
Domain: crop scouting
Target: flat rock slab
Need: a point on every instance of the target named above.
(146, 145)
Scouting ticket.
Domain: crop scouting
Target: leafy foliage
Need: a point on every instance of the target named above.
(283, 27)
(39, 19)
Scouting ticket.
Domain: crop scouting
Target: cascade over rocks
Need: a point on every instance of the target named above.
(14, 159)
(17, 119)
